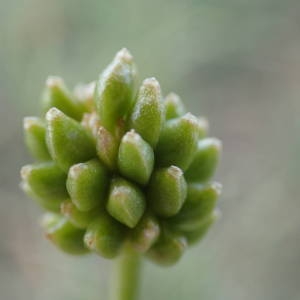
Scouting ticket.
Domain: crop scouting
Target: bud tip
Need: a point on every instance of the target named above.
(214, 142)
(53, 113)
(172, 96)
(54, 81)
(124, 55)
(151, 83)
(28, 122)
(189, 117)
(175, 171)
(75, 170)
(25, 171)
(131, 136)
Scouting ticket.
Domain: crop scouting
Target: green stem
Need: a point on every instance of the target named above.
(126, 275)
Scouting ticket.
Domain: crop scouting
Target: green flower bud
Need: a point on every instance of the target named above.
(146, 233)
(105, 236)
(194, 235)
(68, 142)
(91, 122)
(167, 191)
(174, 107)
(46, 183)
(122, 168)
(178, 141)
(57, 95)
(114, 90)
(63, 234)
(35, 138)
(80, 219)
(205, 161)
(200, 203)
(84, 94)
(107, 148)
(148, 114)
(203, 127)
(52, 205)
(126, 202)
(87, 184)
(136, 158)
(168, 250)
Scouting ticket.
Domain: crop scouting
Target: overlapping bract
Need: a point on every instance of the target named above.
(117, 164)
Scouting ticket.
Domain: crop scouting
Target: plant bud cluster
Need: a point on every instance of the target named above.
(116, 164)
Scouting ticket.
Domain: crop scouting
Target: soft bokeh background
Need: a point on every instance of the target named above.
(236, 62)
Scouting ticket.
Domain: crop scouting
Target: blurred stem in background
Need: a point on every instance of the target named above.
(125, 278)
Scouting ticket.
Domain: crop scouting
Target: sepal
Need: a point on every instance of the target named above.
(68, 141)
(105, 236)
(57, 95)
(46, 183)
(135, 158)
(205, 161)
(167, 191)
(148, 113)
(126, 202)
(80, 219)
(178, 141)
(174, 107)
(145, 233)
(87, 184)
(114, 90)
(63, 234)
(35, 138)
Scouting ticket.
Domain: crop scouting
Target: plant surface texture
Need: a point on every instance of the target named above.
(118, 163)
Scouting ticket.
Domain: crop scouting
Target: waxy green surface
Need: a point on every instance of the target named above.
(87, 184)
(120, 165)
(148, 113)
(126, 202)
(136, 158)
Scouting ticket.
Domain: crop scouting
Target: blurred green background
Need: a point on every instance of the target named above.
(236, 62)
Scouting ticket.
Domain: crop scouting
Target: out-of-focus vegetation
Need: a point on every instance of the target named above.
(238, 63)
